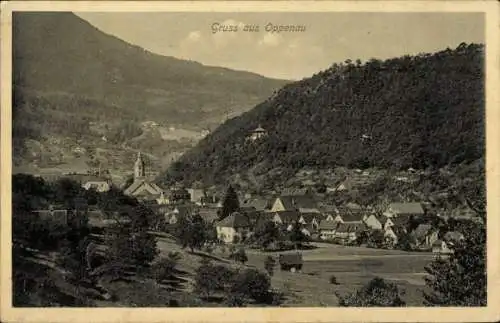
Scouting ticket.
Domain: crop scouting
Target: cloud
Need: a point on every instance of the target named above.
(270, 39)
(194, 36)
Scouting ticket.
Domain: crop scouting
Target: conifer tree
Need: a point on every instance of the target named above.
(231, 203)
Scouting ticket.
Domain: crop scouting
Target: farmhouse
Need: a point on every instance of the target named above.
(327, 230)
(196, 195)
(235, 226)
(348, 232)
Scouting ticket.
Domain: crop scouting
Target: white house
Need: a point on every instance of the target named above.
(235, 226)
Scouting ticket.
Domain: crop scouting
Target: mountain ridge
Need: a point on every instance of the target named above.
(416, 111)
(64, 69)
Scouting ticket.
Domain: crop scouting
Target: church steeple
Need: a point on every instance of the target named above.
(139, 169)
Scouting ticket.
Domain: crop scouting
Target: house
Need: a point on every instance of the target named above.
(234, 226)
(312, 220)
(286, 218)
(349, 218)
(196, 195)
(296, 191)
(441, 247)
(258, 133)
(425, 236)
(373, 222)
(348, 232)
(393, 233)
(291, 262)
(300, 203)
(399, 221)
(327, 230)
(97, 185)
(404, 209)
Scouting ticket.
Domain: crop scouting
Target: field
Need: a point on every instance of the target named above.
(352, 266)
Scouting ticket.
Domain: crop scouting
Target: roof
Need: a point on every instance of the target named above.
(422, 230)
(407, 208)
(209, 215)
(136, 184)
(294, 191)
(291, 259)
(347, 218)
(293, 202)
(327, 225)
(288, 216)
(257, 203)
(259, 129)
(308, 217)
(351, 227)
(235, 220)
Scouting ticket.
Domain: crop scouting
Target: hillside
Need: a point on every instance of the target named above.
(73, 81)
(413, 111)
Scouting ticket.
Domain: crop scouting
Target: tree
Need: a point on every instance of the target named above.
(192, 232)
(251, 284)
(165, 268)
(230, 204)
(297, 236)
(460, 280)
(266, 233)
(210, 279)
(269, 265)
(239, 255)
(377, 293)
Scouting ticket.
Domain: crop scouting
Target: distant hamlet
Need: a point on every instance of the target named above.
(360, 186)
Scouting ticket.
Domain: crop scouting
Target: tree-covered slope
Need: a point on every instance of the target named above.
(412, 111)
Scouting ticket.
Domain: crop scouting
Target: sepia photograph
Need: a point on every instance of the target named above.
(247, 158)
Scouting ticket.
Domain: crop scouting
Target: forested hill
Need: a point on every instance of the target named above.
(412, 111)
(76, 87)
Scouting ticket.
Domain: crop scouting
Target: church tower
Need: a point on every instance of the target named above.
(139, 169)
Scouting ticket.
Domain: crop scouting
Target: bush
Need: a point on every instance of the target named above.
(240, 256)
(377, 293)
(333, 280)
(211, 279)
(251, 283)
(269, 265)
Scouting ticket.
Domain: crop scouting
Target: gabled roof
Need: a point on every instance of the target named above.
(422, 230)
(401, 220)
(407, 208)
(294, 202)
(257, 203)
(348, 218)
(308, 217)
(288, 216)
(351, 227)
(136, 184)
(209, 215)
(327, 225)
(235, 220)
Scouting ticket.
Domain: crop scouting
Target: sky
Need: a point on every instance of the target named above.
(329, 37)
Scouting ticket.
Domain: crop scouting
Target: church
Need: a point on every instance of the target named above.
(142, 188)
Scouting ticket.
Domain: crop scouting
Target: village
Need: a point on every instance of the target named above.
(406, 226)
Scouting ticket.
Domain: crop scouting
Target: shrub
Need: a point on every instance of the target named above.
(377, 293)
(251, 283)
(333, 280)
